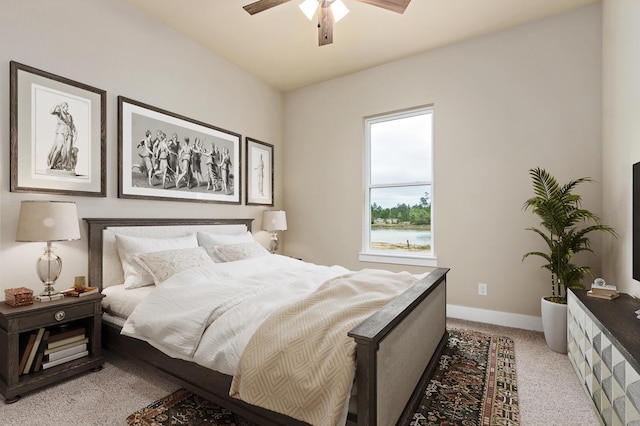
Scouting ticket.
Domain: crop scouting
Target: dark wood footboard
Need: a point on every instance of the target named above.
(397, 349)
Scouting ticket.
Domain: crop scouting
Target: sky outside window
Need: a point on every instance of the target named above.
(401, 154)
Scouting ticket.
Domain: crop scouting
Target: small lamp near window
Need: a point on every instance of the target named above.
(274, 221)
(48, 221)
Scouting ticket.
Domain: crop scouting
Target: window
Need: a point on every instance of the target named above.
(398, 188)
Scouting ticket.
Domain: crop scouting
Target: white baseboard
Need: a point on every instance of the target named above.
(506, 319)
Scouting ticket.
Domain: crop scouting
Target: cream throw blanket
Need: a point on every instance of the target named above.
(300, 361)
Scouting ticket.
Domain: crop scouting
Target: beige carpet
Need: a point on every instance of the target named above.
(548, 390)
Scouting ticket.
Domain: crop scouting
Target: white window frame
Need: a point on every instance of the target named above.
(388, 256)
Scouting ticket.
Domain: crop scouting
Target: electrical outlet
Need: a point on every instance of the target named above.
(482, 289)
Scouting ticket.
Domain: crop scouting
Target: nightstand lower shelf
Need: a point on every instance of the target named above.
(43, 378)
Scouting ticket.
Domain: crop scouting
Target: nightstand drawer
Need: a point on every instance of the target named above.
(55, 316)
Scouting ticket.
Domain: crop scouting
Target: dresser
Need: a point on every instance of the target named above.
(604, 348)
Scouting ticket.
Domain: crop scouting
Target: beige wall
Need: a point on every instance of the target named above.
(525, 97)
(621, 130)
(110, 45)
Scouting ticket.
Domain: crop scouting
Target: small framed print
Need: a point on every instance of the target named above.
(166, 156)
(57, 134)
(259, 170)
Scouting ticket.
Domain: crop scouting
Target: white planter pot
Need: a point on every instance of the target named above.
(554, 324)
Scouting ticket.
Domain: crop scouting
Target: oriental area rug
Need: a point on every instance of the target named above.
(474, 384)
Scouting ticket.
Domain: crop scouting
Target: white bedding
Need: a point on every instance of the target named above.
(237, 295)
(120, 302)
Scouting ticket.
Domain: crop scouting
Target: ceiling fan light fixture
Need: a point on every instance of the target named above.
(309, 7)
(339, 10)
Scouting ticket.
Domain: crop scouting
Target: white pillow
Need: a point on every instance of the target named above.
(134, 275)
(240, 251)
(161, 265)
(210, 241)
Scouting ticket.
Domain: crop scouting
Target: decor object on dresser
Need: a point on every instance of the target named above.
(259, 170)
(604, 350)
(166, 156)
(274, 221)
(602, 290)
(48, 221)
(20, 296)
(58, 134)
(80, 292)
(565, 227)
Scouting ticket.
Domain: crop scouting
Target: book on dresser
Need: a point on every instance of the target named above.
(601, 290)
(599, 295)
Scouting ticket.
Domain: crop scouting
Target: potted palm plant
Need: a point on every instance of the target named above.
(565, 227)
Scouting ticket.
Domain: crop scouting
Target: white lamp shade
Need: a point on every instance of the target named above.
(48, 221)
(339, 10)
(309, 8)
(274, 220)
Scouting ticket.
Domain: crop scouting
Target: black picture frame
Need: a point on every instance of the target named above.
(213, 172)
(58, 134)
(259, 172)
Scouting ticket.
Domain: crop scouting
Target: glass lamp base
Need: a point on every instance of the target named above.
(273, 244)
(49, 266)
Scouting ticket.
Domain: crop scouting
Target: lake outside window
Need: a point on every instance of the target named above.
(398, 188)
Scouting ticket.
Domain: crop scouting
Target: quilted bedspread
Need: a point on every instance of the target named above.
(300, 361)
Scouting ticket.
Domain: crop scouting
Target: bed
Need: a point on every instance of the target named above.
(388, 380)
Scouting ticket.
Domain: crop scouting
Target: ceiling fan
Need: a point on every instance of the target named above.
(326, 11)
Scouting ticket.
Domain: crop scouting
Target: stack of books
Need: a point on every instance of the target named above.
(65, 345)
(603, 291)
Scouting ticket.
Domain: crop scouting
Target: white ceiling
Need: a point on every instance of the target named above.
(280, 46)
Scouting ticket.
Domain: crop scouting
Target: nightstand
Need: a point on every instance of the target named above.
(17, 324)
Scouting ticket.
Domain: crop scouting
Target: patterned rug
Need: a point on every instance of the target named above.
(473, 385)
(182, 408)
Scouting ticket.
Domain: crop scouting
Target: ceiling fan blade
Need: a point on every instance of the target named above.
(325, 25)
(397, 6)
(262, 5)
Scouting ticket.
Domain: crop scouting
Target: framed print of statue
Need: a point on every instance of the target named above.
(259, 170)
(57, 134)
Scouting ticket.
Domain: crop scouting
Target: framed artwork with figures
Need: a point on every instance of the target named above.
(259, 170)
(57, 134)
(166, 156)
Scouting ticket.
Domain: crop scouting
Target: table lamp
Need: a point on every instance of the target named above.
(48, 221)
(274, 221)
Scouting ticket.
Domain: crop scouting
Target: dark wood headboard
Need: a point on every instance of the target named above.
(97, 225)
